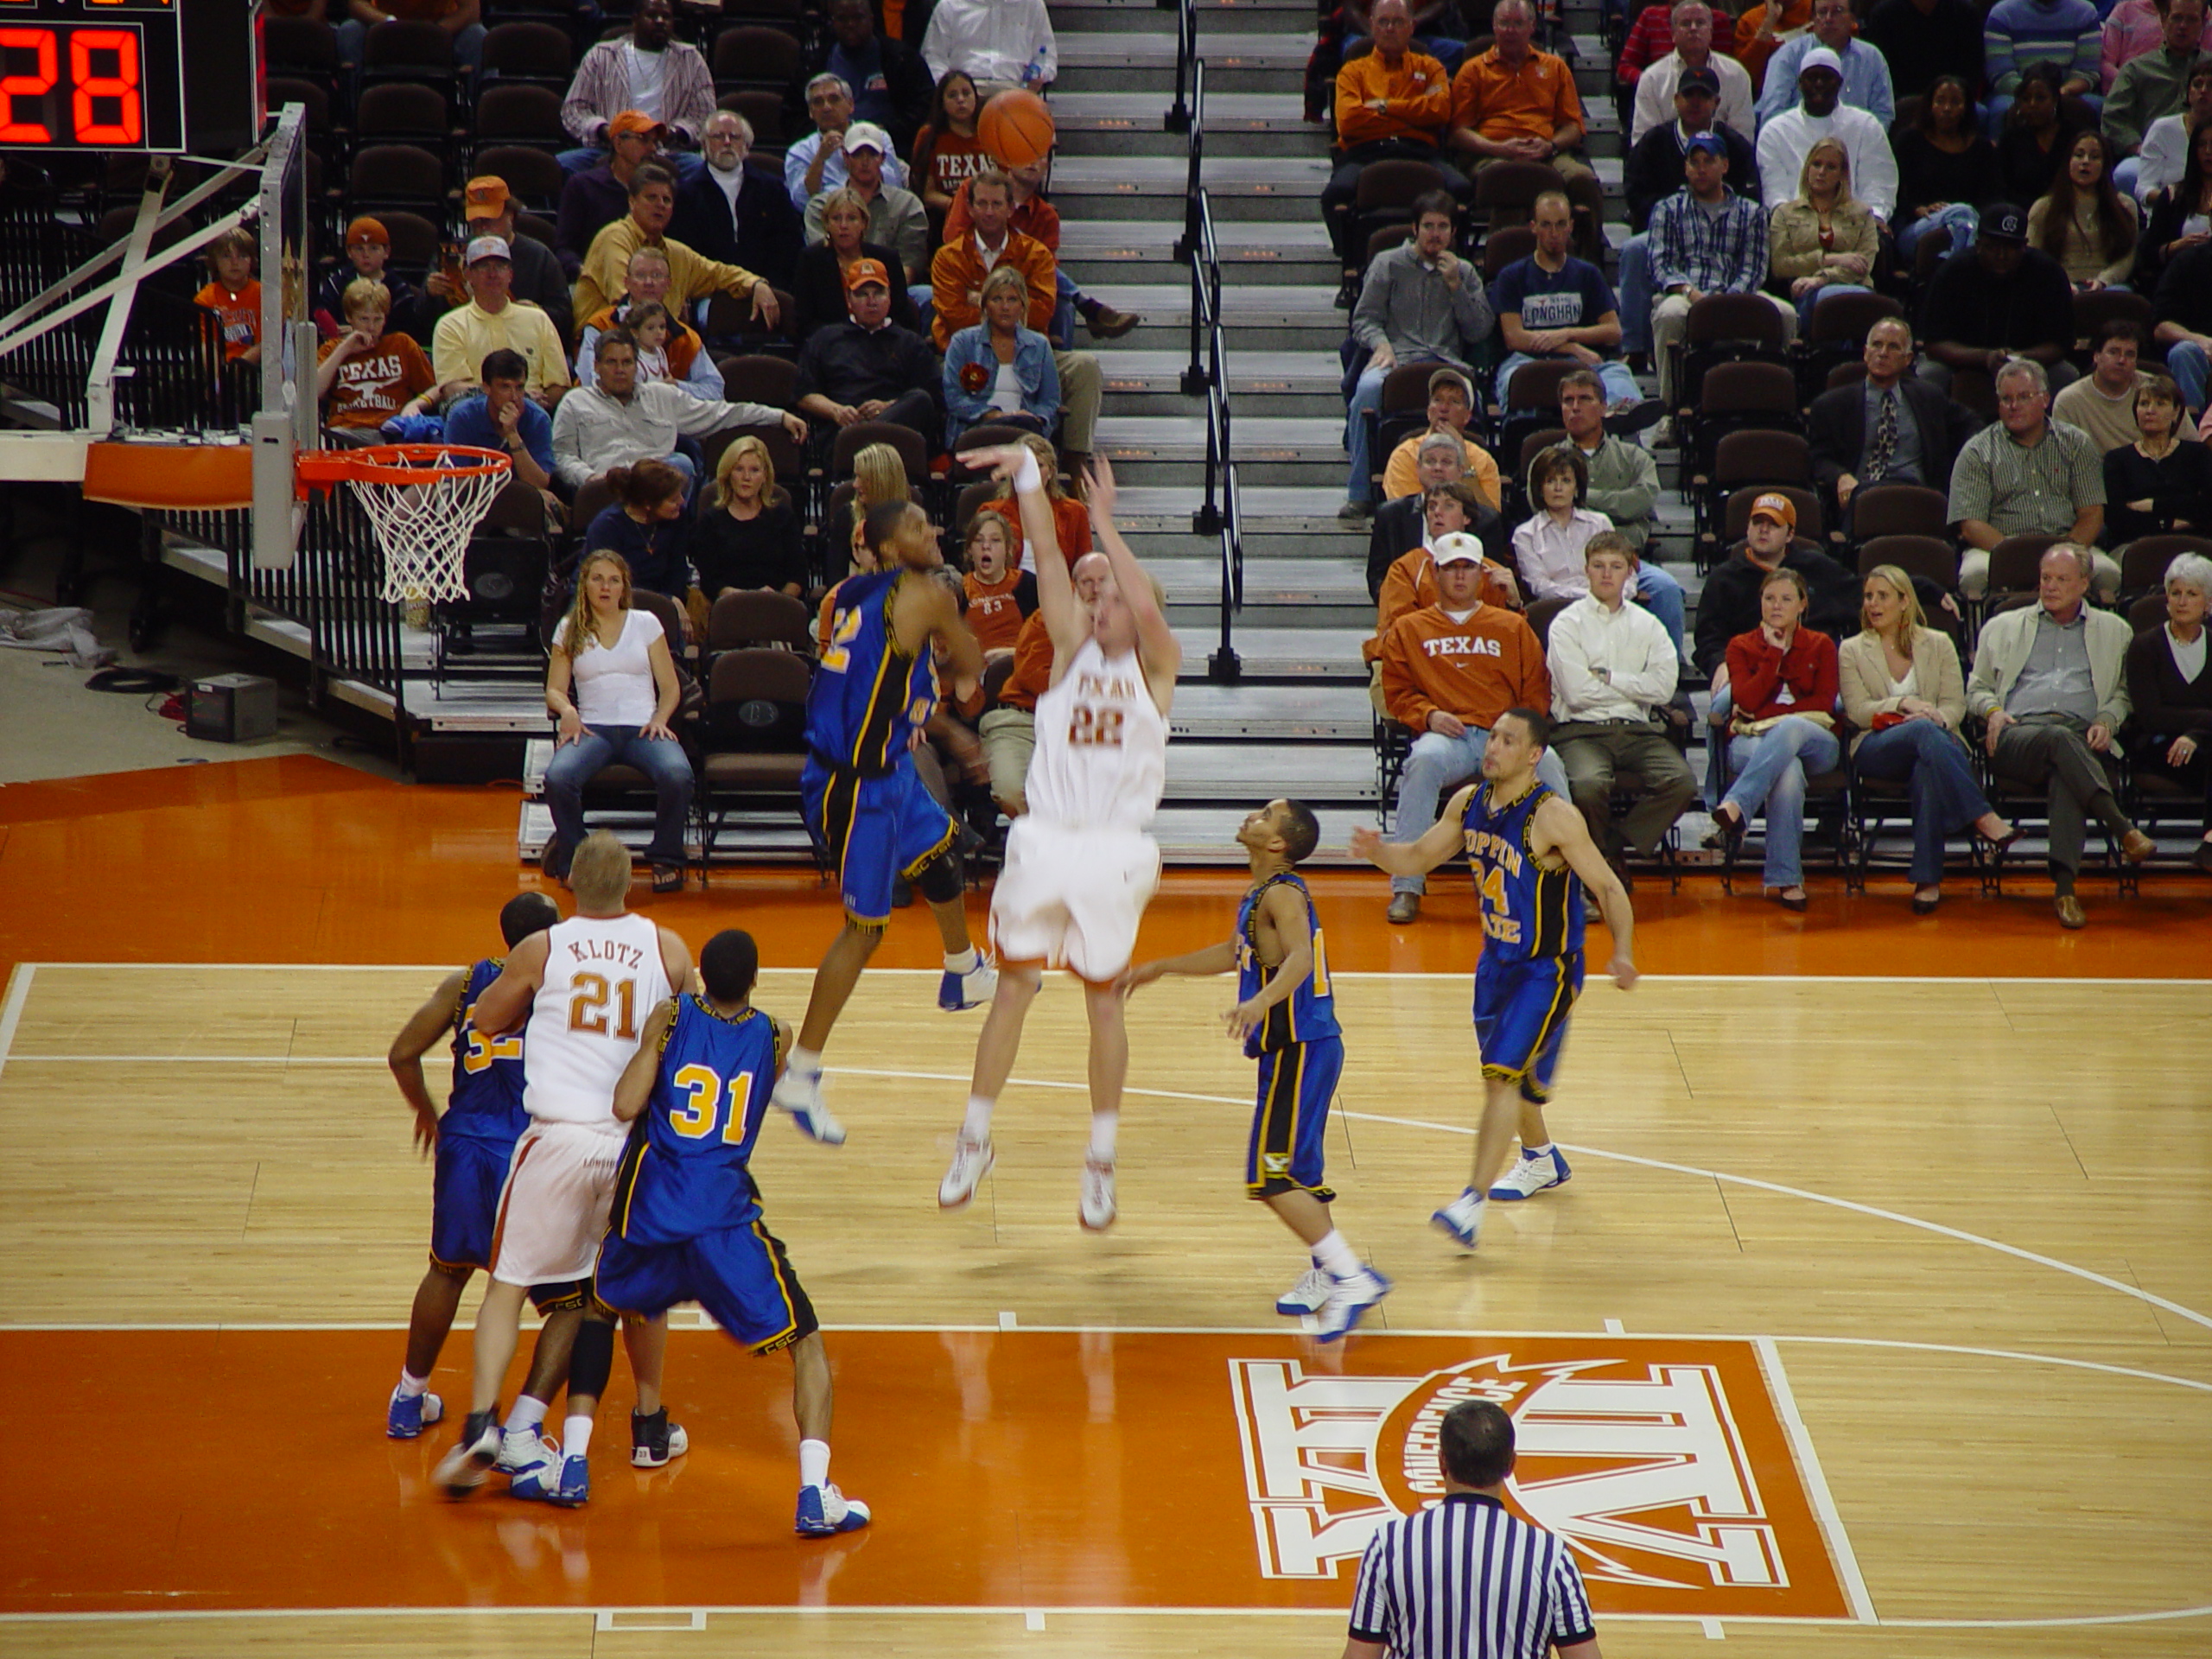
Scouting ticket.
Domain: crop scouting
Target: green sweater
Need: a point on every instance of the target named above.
(2147, 87)
(1623, 485)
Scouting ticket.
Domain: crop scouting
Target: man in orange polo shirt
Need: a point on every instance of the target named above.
(1393, 104)
(1515, 104)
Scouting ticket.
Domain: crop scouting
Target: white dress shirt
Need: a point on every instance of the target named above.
(1629, 643)
(992, 40)
(1655, 95)
(1550, 553)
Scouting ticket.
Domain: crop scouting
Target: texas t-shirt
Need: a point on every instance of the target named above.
(1573, 296)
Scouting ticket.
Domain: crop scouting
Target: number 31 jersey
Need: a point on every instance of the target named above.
(1102, 746)
(603, 977)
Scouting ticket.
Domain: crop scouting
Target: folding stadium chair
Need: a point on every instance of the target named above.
(2143, 564)
(1880, 510)
(1745, 460)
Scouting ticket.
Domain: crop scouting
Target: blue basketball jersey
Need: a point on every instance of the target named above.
(486, 1102)
(1528, 912)
(868, 695)
(1309, 1012)
(685, 1173)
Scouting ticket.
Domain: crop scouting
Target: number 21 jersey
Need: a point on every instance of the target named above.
(1102, 746)
(603, 977)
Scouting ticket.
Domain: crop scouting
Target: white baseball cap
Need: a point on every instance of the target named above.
(1457, 548)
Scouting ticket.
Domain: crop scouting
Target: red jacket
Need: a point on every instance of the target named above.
(1756, 673)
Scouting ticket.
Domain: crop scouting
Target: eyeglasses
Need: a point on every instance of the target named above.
(2018, 399)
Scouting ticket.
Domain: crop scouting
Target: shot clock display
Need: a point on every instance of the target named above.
(128, 74)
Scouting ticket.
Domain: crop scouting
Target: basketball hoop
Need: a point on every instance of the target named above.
(424, 500)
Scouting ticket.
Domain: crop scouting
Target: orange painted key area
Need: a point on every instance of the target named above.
(1006, 1469)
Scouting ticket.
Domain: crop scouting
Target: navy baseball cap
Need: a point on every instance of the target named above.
(1711, 143)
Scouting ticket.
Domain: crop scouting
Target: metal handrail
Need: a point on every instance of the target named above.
(1181, 116)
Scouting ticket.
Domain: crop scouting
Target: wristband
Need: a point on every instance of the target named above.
(1028, 479)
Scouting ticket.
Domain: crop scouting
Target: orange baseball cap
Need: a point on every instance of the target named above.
(863, 271)
(634, 121)
(1777, 507)
(366, 229)
(486, 198)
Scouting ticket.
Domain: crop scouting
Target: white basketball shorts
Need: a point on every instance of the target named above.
(1072, 898)
(553, 1210)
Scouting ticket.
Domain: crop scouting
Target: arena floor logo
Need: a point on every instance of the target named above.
(1674, 1466)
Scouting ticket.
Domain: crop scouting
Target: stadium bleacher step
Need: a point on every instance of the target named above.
(1143, 251)
(1269, 449)
(1313, 654)
(1217, 19)
(1256, 62)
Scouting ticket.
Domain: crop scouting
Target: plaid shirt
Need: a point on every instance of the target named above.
(602, 91)
(1727, 255)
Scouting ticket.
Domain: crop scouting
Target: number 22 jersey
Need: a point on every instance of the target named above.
(1102, 746)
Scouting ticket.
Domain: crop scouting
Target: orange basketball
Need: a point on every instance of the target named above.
(1016, 129)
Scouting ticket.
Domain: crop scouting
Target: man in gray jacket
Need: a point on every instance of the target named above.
(620, 419)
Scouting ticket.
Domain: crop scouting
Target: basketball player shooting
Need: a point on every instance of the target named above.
(1079, 866)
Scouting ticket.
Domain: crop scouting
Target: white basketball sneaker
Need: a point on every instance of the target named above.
(970, 1163)
(799, 1093)
(1462, 1217)
(1096, 1210)
(956, 993)
(1530, 1176)
(1347, 1299)
(1306, 1296)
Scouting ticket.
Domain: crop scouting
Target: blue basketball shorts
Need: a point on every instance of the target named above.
(1290, 1123)
(465, 1200)
(873, 830)
(739, 1274)
(1520, 1011)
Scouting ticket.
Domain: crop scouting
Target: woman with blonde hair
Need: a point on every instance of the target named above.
(1905, 694)
(611, 683)
(1822, 240)
(818, 286)
(1001, 369)
(1069, 517)
(751, 537)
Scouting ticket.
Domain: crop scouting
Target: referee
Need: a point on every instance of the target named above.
(1464, 1579)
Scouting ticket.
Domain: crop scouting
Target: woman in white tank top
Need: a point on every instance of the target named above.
(612, 685)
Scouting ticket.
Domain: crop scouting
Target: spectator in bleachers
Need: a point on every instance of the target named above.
(1865, 72)
(364, 377)
(1623, 484)
(2036, 137)
(647, 523)
(1651, 39)
(1947, 167)
(463, 20)
(232, 295)
(1891, 428)
(2160, 483)
(956, 297)
(596, 197)
(816, 162)
(1420, 303)
(2102, 402)
(947, 153)
(1038, 220)
(1822, 241)
(1407, 580)
(2184, 307)
(1001, 594)
(1439, 30)
(818, 290)
(1613, 672)
(1071, 518)
(1553, 306)
(1696, 29)
(2027, 473)
(1729, 604)
(734, 211)
(648, 71)
(2049, 684)
(896, 218)
(1785, 139)
(1393, 104)
(1904, 696)
(891, 85)
(503, 415)
(687, 363)
(1704, 239)
(1448, 501)
(2180, 219)
(2131, 29)
(1782, 678)
(868, 368)
(1514, 103)
(1921, 40)
(2154, 83)
(616, 421)
(368, 246)
(2020, 33)
(691, 278)
(1449, 671)
(1002, 44)
(1996, 301)
(2165, 155)
(1656, 169)
(1000, 370)
(1451, 406)
(1548, 547)
(2170, 721)
(1761, 30)
(751, 537)
(493, 320)
(539, 279)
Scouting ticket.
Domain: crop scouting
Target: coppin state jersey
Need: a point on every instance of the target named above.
(486, 1102)
(1309, 1012)
(685, 1172)
(1528, 912)
(1102, 746)
(868, 695)
(603, 977)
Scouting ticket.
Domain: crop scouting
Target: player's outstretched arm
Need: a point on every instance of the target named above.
(1063, 619)
(1415, 857)
(635, 1086)
(1213, 959)
(1157, 647)
(939, 614)
(424, 1028)
(1562, 827)
(506, 1003)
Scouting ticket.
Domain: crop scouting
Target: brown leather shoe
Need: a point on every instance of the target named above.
(1107, 323)
(2135, 846)
(2069, 911)
(1404, 907)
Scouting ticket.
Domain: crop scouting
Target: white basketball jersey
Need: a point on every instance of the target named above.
(603, 978)
(1102, 746)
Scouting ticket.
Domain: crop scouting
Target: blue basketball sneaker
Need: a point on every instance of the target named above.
(1347, 1299)
(1462, 1217)
(1530, 1176)
(823, 1511)
(958, 992)
(405, 1419)
(574, 1489)
(799, 1093)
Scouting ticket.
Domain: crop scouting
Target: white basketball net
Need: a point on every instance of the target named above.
(424, 527)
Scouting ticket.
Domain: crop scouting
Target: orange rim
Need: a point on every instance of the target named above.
(397, 463)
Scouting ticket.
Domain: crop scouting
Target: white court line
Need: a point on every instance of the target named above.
(1815, 1484)
(11, 1011)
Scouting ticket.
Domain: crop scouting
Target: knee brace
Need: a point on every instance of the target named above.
(939, 881)
(591, 1362)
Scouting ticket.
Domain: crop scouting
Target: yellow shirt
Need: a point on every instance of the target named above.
(469, 333)
(605, 274)
(1402, 475)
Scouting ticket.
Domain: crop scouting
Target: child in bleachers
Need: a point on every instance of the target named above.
(368, 247)
(947, 152)
(233, 297)
(649, 323)
(367, 376)
(1069, 517)
(1000, 597)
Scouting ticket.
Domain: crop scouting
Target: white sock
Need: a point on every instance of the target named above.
(528, 1414)
(963, 963)
(410, 1386)
(1336, 1257)
(976, 1127)
(1544, 1151)
(814, 1463)
(805, 1061)
(575, 1437)
(1103, 1128)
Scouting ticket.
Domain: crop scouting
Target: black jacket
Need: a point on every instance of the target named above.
(1965, 306)
(1729, 602)
(1836, 428)
(764, 235)
(848, 364)
(1655, 170)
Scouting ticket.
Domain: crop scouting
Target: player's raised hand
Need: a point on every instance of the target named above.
(1004, 458)
(1101, 488)
(1623, 972)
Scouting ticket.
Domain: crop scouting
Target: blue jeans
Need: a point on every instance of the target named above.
(1438, 763)
(1961, 221)
(1367, 395)
(1771, 772)
(1620, 385)
(1945, 798)
(1806, 302)
(2187, 363)
(1634, 295)
(1662, 595)
(661, 759)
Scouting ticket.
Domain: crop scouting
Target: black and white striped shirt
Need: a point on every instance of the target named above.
(1466, 1580)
